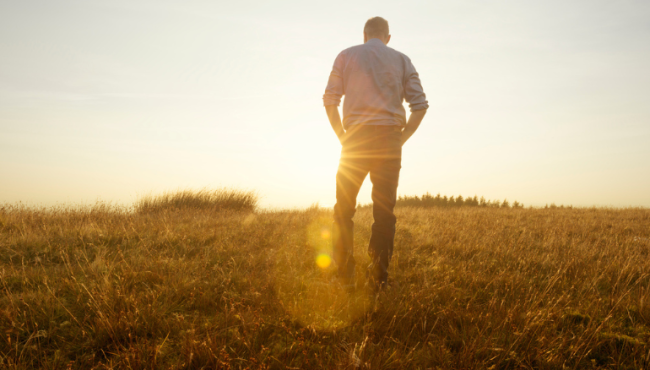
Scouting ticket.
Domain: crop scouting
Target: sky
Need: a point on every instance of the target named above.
(536, 101)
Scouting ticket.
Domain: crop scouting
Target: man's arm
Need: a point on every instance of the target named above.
(335, 120)
(333, 93)
(414, 95)
(412, 124)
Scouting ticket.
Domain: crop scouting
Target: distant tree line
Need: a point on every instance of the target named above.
(428, 200)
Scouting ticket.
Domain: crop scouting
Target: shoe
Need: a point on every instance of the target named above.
(347, 280)
(349, 287)
(389, 285)
(383, 286)
(348, 284)
(373, 283)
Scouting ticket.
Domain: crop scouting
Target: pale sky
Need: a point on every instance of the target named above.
(535, 101)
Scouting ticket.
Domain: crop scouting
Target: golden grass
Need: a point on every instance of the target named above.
(204, 199)
(191, 287)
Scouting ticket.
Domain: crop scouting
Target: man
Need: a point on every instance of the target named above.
(375, 80)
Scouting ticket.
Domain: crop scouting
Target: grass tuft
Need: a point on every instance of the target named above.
(204, 199)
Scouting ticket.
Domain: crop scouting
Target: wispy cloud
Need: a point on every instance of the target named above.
(66, 96)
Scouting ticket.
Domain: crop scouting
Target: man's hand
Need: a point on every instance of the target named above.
(413, 123)
(335, 121)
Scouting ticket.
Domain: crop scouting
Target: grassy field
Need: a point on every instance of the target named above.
(230, 287)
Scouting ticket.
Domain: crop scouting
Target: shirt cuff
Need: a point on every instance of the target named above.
(331, 100)
(419, 106)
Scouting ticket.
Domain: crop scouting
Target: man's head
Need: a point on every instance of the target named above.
(376, 28)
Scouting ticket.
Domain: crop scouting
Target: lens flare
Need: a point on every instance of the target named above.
(325, 233)
(323, 260)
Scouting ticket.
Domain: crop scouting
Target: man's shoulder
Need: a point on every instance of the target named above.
(354, 52)
(352, 49)
(399, 53)
(356, 49)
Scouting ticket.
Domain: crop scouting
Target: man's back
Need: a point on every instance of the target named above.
(375, 80)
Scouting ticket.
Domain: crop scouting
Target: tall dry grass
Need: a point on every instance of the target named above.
(484, 288)
(204, 199)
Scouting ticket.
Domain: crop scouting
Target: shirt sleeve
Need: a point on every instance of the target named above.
(413, 92)
(334, 89)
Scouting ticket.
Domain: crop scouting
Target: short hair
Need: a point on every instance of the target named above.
(376, 26)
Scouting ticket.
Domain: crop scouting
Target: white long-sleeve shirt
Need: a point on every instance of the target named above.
(375, 80)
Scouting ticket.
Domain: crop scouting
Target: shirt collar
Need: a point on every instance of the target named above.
(375, 41)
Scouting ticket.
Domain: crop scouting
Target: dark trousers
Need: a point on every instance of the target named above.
(376, 150)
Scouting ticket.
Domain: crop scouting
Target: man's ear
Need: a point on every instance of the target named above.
(387, 39)
(365, 38)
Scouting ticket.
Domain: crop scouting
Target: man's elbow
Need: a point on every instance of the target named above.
(331, 100)
(419, 112)
(423, 106)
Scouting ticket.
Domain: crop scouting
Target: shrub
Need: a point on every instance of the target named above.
(204, 199)
(427, 201)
